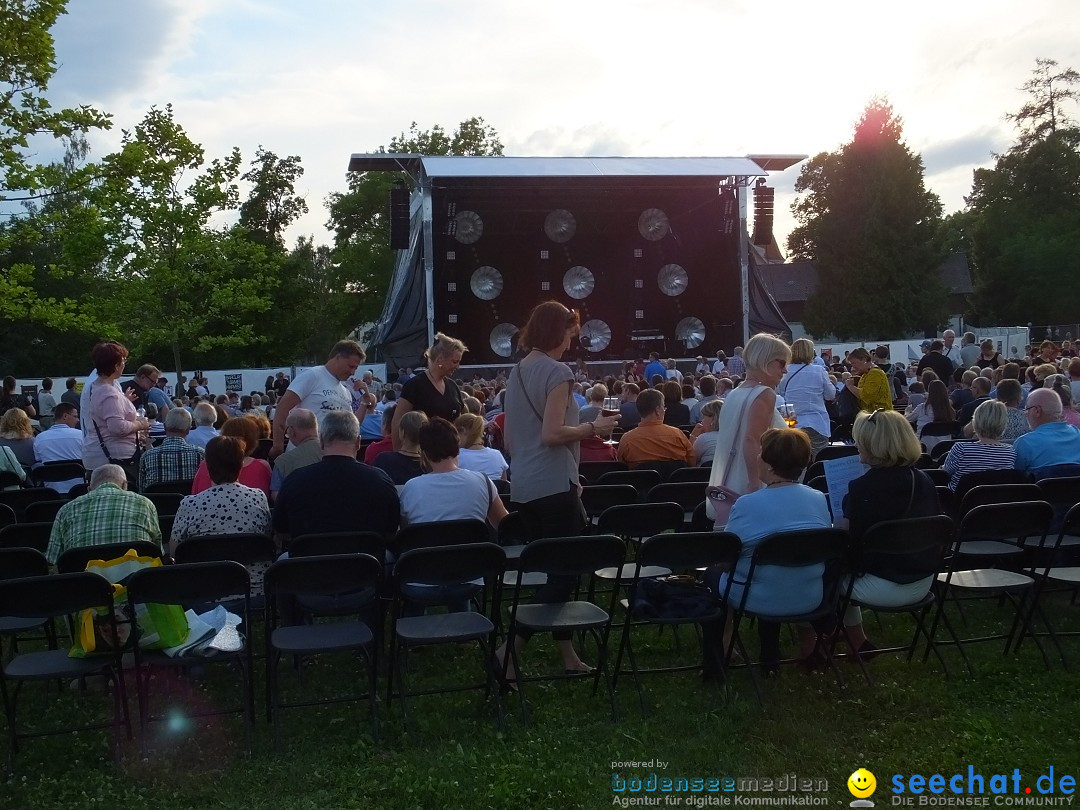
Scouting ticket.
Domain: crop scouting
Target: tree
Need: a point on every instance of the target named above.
(1026, 212)
(870, 227)
(360, 217)
(272, 206)
(186, 285)
(27, 63)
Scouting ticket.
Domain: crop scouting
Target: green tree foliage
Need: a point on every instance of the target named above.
(360, 217)
(1026, 211)
(273, 205)
(27, 63)
(867, 221)
(180, 283)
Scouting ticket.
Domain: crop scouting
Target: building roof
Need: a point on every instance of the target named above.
(576, 167)
(796, 281)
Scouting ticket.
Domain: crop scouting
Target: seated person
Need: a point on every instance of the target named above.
(890, 490)
(403, 465)
(705, 434)
(256, 472)
(17, 433)
(676, 413)
(782, 505)
(989, 452)
(62, 442)
(652, 440)
(474, 455)
(386, 442)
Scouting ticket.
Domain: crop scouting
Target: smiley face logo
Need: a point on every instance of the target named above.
(861, 783)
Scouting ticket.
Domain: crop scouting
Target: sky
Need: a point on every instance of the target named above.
(324, 79)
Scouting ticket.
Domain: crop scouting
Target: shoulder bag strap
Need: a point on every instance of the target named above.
(97, 430)
(516, 375)
(789, 379)
(911, 500)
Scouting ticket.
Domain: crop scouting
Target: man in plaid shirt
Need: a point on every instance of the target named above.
(175, 459)
(108, 513)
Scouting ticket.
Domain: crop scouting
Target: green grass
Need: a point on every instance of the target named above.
(1014, 714)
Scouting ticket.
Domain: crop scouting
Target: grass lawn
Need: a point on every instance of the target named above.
(1014, 714)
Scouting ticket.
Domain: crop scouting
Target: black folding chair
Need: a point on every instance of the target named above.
(1001, 529)
(18, 499)
(792, 550)
(180, 487)
(686, 474)
(190, 585)
(52, 472)
(684, 553)
(688, 494)
(440, 533)
(42, 511)
(326, 543)
(634, 523)
(440, 566)
(598, 497)
(166, 503)
(986, 478)
(566, 557)
(832, 451)
(910, 549)
(26, 535)
(18, 563)
(641, 480)
(7, 515)
(335, 577)
(592, 470)
(55, 596)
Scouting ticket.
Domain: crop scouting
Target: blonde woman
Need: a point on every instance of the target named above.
(474, 455)
(17, 433)
(434, 391)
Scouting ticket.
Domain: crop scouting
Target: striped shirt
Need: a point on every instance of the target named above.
(969, 457)
(108, 514)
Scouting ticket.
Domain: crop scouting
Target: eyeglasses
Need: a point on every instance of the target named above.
(1033, 408)
(873, 416)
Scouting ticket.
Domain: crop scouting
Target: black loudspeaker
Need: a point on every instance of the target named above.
(763, 214)
(649, 266)
(399, 217)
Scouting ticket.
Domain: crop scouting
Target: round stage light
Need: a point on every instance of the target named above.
(595, 335)
(691, 331)
(560, 226)
(578, 282)
(468, 227)
(502, 339)
(672, 280)
(486, 283)
(653, 224)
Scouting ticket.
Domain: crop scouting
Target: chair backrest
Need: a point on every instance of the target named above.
(78, 490)
(641, 519)
(690, 474)
(9, 479)
(700, 521)
(1071, 524)
(75, 559)
(940, 477)
(242, 548)
(514, 530)
(338, 543)
(323, 575)
(803, 547)
(591, 471)
(54, 595)
(941, 429)
(598, 497)
(572, 556)
(815, 470)
(641, 480)
(42, 511)
(1006, 521)
(925, 462)
(942, 448)
(180, 487)
(690, 550)
(665, 468)
(837, 451)
(987, 477)
(502, 486)
(16, 563)
(166, 503)
(451, 564)
(910, 549)
(818, 482)
(1061, 490)
(57, 471)
(18, 499)
(7, 515)
(999, 493)
(688, 494)
(440, 533)
(30, 535)
(190, 583)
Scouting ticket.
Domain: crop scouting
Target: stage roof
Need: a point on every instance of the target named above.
(578, 167)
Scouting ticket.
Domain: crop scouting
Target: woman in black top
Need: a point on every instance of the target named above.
(891, 489)
(433, 391)
(675, 413)
(403, 465)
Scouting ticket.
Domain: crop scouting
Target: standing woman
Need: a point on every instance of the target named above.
(542, 435)
(988, 355)
(807, 387)
(748, 412)
(434, 392)
(113, 426)
(873, 389)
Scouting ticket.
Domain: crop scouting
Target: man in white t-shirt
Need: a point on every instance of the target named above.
(321, 389)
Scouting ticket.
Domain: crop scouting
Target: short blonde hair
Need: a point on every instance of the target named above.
(802, 351)
(444, 347)
(470, 428)
(763, 349)
(1044, 370)
(886, 439)
(990, 419)
(712, 408)
(15, 424)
